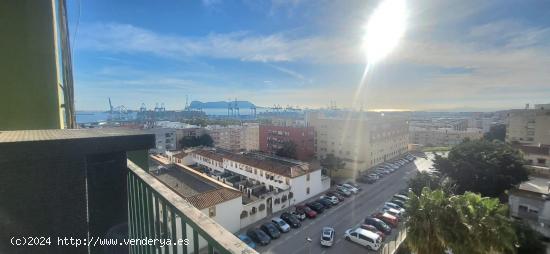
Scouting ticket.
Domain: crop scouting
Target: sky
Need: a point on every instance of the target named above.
(456, 55)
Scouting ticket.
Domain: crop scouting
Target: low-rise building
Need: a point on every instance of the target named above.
(530, 202)
(273, 138)
(442, 136)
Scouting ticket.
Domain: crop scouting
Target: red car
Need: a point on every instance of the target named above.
(308, 211)
(373, 229)
(387, 218)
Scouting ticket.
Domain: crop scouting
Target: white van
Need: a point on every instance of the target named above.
(364, 237)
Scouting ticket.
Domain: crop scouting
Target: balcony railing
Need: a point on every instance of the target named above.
(156, 212)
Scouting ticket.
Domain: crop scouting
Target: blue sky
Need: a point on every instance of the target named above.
(454, 55)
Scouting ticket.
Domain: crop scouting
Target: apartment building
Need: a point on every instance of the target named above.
(273, 138)
(529, 125)
(235, 137)
(442, 136)
(361, 139)
(165, 139)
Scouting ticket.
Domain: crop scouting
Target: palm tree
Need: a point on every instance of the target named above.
(465, 223)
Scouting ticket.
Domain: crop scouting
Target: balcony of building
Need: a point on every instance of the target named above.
(94, 185)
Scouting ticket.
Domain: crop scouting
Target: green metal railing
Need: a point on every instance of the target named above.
(156, 212)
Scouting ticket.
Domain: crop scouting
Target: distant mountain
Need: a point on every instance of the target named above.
(220, 104)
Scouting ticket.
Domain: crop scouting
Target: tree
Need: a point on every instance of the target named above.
(488, 168)
(288, 150)
(528, 239)
(192, 141)
(424, 179)
(332, 163)
(496, 132)
(467, 223)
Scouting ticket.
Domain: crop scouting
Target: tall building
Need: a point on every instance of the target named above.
(361, 139)
(529, 125)
(442, 136)
(273, 138)
(235, 137)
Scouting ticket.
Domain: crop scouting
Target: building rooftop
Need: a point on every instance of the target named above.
(277, 165)
(537, 185)
(201, 191)
(64, 134)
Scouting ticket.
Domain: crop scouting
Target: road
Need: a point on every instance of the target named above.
(344, 216)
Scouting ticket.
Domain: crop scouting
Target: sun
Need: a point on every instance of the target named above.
(384, 29)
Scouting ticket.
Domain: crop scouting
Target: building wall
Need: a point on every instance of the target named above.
(251, 135)
(236, 137)
(30, 72)
(360, 141)
(299, 186)
(212, 164)
(273, 137)
(227, 214)
(165, 139)
(257, 174)
(534, 211)
(187, 132)
(442, 137)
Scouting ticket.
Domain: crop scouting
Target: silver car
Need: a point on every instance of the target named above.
(327, 236)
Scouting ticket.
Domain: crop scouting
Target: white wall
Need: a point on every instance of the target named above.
(228, 214)
(259, 176)
(299, 185)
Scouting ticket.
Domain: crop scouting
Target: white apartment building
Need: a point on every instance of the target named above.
(165, 139)
(236, 137)
(442, 136)
(530, 202)
(361, 139)
(529, 125)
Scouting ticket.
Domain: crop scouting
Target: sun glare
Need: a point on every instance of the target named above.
(384, 29)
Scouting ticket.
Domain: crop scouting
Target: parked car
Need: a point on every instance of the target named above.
(327, 236)
(346, 192)
(333, 200)
(259, 236)
(291, 220)
(281, 224)
(401, 197)
(336, 194)
(352, 188)
(394, 206)
(355, 185)
(271, 230)
(367, 179)
(392, 211)
(246, 239)
(373, 229)
(364, 237)
(387, 218)
(301, 215)
(308, 211)
(325, 202)
(380, 225)
(343, 193)
(317, 207)
(398, 202)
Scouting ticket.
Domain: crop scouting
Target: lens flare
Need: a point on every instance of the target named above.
(384, 29)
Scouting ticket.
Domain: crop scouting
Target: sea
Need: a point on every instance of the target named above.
(101, 116)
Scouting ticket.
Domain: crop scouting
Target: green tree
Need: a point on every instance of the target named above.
(496, 132)
(488, 168)
(288, 150)
(424, 179)
(332, 163)
(465, 223)
(192, 141)
(529, 240)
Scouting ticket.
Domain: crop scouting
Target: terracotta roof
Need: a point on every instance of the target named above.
(180, 155)
(276, 165)
(211, 198)
(201, 191)
(209, 154)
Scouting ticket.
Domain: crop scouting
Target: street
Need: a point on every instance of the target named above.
(345, 215)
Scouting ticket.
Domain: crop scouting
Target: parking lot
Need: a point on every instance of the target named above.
(349, 213)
